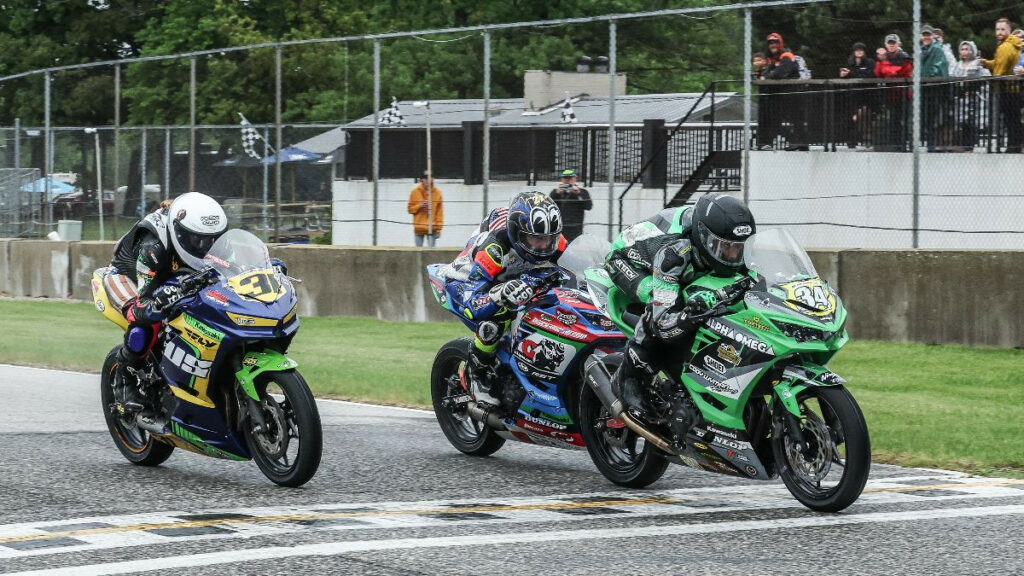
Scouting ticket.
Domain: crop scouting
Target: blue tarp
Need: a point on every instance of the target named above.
(56, 187)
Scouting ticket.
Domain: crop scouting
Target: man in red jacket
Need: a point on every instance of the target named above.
(896, 64)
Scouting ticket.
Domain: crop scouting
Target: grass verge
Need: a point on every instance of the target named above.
(947, 407)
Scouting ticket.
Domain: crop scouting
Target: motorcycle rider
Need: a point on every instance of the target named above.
(654, 261)
(155, 249)
(510, 241)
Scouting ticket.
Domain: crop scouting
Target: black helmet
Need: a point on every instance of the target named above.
(534, 226)
(721, 224)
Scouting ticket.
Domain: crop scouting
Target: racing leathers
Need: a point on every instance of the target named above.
(653, 262)
(491, 269)
(143, 261)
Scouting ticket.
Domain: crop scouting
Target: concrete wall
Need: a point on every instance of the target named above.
(37, 268)
(957, 297)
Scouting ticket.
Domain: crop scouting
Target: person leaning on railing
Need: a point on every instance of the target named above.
(859, 100)
(968, 95)
(895, 63)
(1006, 57)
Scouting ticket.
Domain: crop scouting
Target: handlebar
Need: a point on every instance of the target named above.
(193, 283)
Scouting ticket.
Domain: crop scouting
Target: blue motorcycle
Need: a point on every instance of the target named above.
(218, 383)
(540, 376)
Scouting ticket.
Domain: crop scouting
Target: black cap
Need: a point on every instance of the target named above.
(859, 46)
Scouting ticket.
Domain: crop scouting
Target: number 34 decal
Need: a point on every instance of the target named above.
(261, 285)
(812, 293)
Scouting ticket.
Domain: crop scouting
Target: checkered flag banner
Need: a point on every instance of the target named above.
(568, 114)
(249, 138)
(393, 115)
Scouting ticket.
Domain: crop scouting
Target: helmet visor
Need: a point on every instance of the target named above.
(728, 252)
(542, 245)
(194, 243)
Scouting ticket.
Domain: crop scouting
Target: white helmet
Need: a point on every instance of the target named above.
(196, 221)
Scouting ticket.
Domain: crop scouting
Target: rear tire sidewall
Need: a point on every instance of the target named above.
(448, 358)
(153, 452)
(647, 470)
(858, 453)
(310, 438)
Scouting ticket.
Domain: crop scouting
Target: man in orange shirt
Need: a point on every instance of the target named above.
(427, 209)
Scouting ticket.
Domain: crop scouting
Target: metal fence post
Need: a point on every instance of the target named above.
(142, 176)
(192, 125)
(117, 144)
(167, 164)
(46, 150)
(277, 141)
(17, 142)
(747, 87)
(487, 121)
(611, 129)
(266, 180)
(375, 172)
(915, 139)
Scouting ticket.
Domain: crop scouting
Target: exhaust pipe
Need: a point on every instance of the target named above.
(485, 415)
(600, 381)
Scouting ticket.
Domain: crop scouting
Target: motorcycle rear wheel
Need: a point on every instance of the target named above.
(465, 434)
(134, 443)
(293, 422)
(622, 456)
(831, 472)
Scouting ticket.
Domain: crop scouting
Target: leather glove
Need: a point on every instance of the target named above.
(279, 265)
(700, 302)
(511, 294)
(165, 297)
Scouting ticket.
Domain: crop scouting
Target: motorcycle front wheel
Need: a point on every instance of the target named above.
(288, 451)
(465, 434)
(829, 472)
(134, 443)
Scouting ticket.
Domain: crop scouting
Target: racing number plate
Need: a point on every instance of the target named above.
(261, 285)
(813, 293)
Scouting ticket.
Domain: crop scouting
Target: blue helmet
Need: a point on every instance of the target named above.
(534, 226)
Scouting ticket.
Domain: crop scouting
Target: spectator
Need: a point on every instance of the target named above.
(933, 96)
(859, 112)
(782, 65)
(940, 38)
(427, 208)
(1008, 93)
(759, 64)
(968, 94)
(572, 201)
(1019, 68)
(896, 64)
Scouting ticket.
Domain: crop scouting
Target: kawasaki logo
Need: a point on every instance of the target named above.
(744, 339)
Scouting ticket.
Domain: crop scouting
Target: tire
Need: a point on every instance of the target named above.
(291, 414)
(465, 434)
(622, 456)
(832, 417)
(135, 444)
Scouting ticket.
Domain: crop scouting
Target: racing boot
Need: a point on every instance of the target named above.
(127, 384)
(481, 375)
(627, 382)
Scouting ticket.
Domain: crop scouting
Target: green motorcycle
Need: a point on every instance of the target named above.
(748, 394)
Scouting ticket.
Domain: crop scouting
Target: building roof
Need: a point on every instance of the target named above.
(590, 111)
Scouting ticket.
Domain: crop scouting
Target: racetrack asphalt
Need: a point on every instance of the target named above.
(393, 497)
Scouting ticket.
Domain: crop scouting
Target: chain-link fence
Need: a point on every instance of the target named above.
(842, 163)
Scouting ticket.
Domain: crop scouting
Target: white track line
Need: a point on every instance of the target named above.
(337, 548)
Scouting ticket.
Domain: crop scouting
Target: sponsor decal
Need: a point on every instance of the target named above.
(714, 365)
(565, 318)
(745, 340)
(245, 320)
(606, 323)
(218, 261)
(700, 446)
(734, 455)
(734, 445)
(742, 230)
(689, 461)
(831, 378)
(574, 298)
(756, 323)
(199, 339)
(628, 271)
(634, 254)
(187, 361)
(100, 306)
(543, 397)
(543, 422)
(751, 471)
(215, 296)
(728, 353)
(206, 330)
(249, 361)
(715, 385)
(545, 355)
(721, 432)
(816, 297)
(531, 427)
(211, 220)
(480, 301)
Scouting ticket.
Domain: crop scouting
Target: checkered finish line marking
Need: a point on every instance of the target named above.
(107, 532)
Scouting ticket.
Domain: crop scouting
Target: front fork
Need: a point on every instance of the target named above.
(796, 379)
(251, 366)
